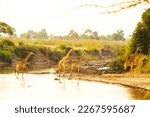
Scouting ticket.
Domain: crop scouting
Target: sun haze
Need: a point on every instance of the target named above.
(58, 17)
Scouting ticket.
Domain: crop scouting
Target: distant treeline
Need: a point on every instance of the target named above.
(88, 34)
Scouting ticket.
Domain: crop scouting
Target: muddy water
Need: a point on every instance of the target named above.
(41, 85)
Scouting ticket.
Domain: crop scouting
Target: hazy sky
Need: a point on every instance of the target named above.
(60, 16)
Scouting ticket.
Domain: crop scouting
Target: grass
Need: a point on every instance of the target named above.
(55, 49)
(58, 44)
(86, 43)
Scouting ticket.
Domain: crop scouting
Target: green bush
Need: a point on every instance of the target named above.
(62, 46)
(8, 42)
(6, 55)
(143, 65)
(117, 65)
(57, 54)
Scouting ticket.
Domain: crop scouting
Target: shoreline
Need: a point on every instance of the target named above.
(134, 80)
(138, 81)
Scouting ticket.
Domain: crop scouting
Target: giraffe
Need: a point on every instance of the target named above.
(132, 60)
(22, 65)
(62, 63)
(77, 62)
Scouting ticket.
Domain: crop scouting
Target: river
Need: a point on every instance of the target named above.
(40, 85)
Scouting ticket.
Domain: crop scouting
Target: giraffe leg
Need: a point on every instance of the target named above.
(71, 70)
(131, 66)
(78, 70)
(22, 72)
(125, 66)
(17, 69)
(59, 71)
(17, 74)
(64, 68)
(26, 71)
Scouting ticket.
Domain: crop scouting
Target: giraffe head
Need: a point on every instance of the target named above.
(138, 50)
(31, 53)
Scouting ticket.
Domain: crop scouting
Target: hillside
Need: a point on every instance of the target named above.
(96, 53)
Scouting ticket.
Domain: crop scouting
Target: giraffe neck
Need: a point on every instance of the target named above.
(68, 53)
(27, 57)
(137, 50)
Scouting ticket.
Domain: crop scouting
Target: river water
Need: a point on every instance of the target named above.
(40, 85)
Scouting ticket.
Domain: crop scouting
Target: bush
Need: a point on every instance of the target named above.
(62, 46)
(6, 55)
(143, 65)
(117, 65)
(57, 55)
(8, 42)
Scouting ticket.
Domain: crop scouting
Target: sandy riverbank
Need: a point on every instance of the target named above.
(141, 81)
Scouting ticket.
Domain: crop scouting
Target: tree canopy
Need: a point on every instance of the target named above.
(141, 35)
(6, 29)
(118, 35)
(73, 34)
(30, 34)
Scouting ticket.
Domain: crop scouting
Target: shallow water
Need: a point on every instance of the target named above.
(41, 85)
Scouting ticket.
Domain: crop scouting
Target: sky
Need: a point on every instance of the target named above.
(58, 17)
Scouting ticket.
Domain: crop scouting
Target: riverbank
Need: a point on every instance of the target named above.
(139, 81)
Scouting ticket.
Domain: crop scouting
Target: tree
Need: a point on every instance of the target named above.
(117, 7)
(87, 34)
(29, 35)
(108, 37)
(118, 35)
(35, 35)
(6, 29)
(43, 34)
(141, 35)
(73, 34)
(95, 35)
(24, 36)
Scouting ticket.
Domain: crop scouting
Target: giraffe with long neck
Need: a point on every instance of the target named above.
(62, 63)
(22, 65)
(75, 63)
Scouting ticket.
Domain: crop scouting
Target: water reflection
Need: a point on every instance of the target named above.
(41, 85)
(5, 69)
(8, 68)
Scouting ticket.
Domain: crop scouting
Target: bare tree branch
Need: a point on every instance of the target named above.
(114, 8)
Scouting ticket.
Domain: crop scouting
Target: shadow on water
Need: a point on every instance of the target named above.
(41, 85)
